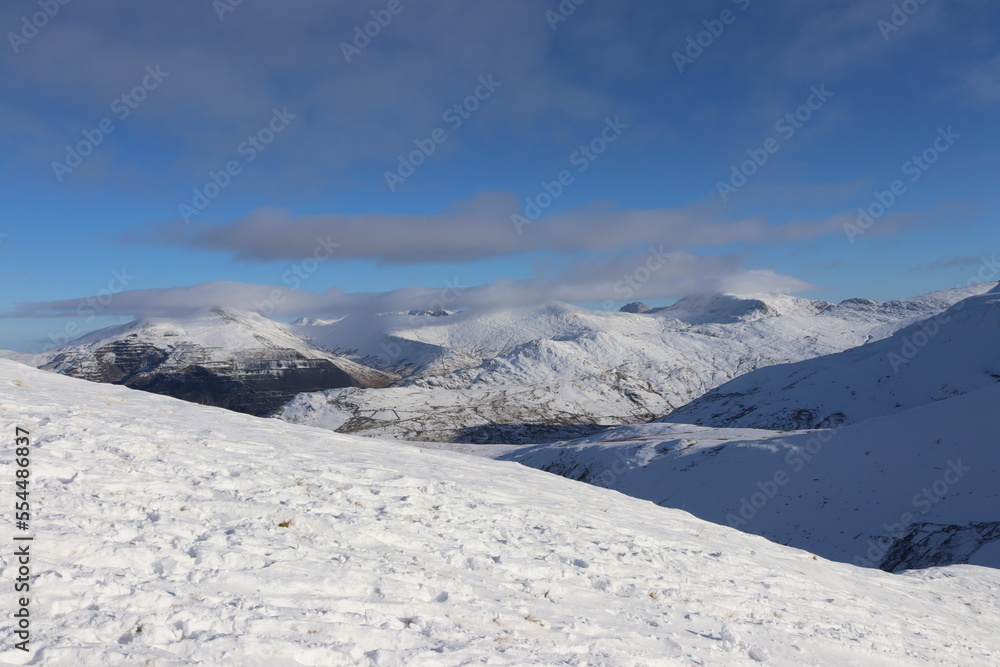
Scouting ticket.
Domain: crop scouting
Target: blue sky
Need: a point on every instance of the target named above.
(641, 111)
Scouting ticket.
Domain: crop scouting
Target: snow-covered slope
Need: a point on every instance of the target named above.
(527, 374)
(514, 414)
(23, 357)
(911, 490)
(169, 534)
(222, 357)
(952, 353)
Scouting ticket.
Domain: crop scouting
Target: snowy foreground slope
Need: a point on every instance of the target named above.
(168, 533)
(949, 354)
(502, 376)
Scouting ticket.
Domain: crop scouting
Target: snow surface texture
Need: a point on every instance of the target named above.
(950, 354)
(555, 371)
(911, 490)
(168, 533)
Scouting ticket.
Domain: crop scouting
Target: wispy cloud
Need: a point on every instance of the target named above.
(982, 84)
(650, 274)
(479, 228)
(954, 263)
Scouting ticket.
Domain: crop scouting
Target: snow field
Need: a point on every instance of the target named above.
(173, 534)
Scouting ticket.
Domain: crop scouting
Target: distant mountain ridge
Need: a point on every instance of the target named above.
(222, 357)
(525, 374)
(950, 354)
(554, 371)
(731, 308)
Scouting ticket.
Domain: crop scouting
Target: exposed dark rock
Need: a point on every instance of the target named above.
(255, 384)
(934, 545)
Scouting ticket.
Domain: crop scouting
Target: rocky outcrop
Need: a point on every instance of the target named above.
(934, 545)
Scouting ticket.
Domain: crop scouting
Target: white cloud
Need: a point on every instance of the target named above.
(652, 274)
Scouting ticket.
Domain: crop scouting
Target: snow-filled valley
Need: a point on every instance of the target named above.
(912, 490)
(168, 533)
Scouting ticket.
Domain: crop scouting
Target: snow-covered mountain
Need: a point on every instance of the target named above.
(915, 489)
(950, 354)
(223, 357)
(731, 308)
(175, 534)
(521, 375)
(556, 371)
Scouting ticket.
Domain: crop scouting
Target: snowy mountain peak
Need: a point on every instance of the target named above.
(428, 313)
(224, 328)
(315, 322)
(634, 307)
(725, 308)
(952, 353)
(220, 356)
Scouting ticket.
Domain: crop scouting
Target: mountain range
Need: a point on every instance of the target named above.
(522, 375)
(949, 354)
(896, 468)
